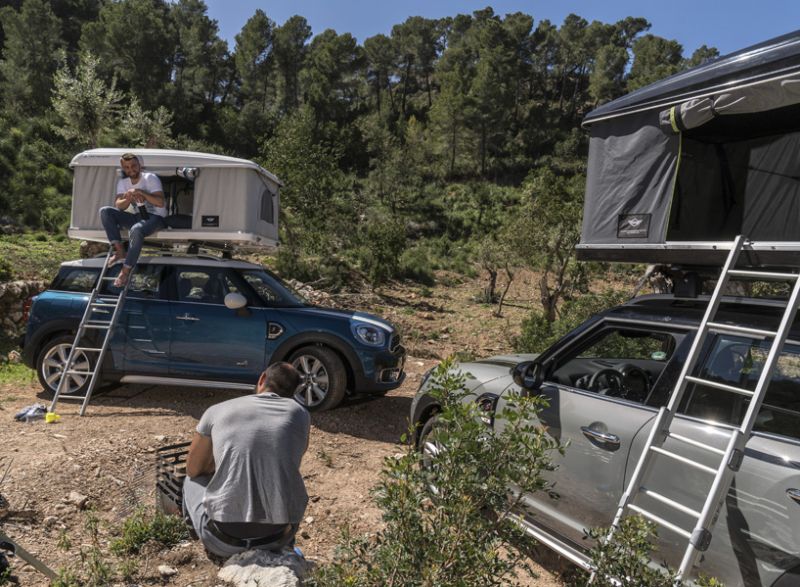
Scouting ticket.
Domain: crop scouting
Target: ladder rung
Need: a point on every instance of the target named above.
(103, 305)
(733, 329)
(98, 323)
(697, 443)
(109, 279)
(88, 348)
(71, 396)
(97, 326)
(765, 275)
(670, 502)
(661, 521)
(71, 372)
(722, 386)
(684, 460)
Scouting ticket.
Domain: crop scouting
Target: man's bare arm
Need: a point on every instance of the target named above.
(200, 460)
(123, 201)
(155, 198)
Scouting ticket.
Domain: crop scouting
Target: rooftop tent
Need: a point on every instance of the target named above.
(210, 198)
(677, 169)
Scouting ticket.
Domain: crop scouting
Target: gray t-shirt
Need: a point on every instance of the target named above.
(258, 441)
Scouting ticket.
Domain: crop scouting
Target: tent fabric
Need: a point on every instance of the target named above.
(629, 181)
(762, 97)
(229, 202)
(698, 158)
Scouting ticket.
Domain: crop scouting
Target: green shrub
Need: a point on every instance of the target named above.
(415, 264)
(623, 561)
(6, 270)
(143, 527)
(446, 523)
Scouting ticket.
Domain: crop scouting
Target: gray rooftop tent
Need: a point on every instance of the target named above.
(210, 198)
(677, 169)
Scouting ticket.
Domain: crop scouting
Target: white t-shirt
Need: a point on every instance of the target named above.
(148, 182)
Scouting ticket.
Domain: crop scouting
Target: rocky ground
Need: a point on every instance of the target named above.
(105, 462)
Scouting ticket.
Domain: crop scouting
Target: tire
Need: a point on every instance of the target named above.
(324, 378)
(51, 360)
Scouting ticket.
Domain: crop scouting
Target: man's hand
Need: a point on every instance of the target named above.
(200, 460)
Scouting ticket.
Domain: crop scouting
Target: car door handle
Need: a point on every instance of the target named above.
(605, 437)
(794, 494)
(188, 317)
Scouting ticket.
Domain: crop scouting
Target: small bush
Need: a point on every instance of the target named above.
(446, 523)
(415, 264)
(623, 561)
(6, 270)
(143, 527)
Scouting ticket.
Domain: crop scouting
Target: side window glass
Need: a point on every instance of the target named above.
(262, 287)
(738, 361)
(201, 285)
(146, 281)
(76, 279)
(619, 362)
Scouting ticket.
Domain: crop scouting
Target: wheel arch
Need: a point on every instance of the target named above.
(350, 361)
(44, 335)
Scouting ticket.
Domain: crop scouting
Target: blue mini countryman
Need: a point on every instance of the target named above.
(204, 321)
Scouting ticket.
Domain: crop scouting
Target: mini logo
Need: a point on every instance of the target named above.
(633, 226)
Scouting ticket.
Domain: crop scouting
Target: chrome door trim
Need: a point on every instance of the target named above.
(604, 437)
(187, 382)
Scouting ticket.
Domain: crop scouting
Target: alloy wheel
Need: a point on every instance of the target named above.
(53, 365)
(314, 380)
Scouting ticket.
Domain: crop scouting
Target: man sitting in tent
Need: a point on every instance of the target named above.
(244, 489)
(143, 190)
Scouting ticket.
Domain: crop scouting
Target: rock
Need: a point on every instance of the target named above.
(305, 535)
(14, 357)
(310, 520)
(78, 499)
(167, 571)
(160, 438)
(50, 521)
(262, 568)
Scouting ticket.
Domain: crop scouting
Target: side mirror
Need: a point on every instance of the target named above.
(528, 375)
(235, 301)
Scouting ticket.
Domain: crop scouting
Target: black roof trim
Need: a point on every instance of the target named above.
(773, 58)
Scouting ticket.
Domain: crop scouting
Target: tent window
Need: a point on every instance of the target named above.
(267, 207)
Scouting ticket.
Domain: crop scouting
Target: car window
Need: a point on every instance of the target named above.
(204, 285)
(145, 281)
(80, 279)
(737, 361)
(262, 287)
(618, 361)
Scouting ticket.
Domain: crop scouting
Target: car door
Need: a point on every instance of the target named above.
(757, 536)
(209, 340)
(140, 343)
(597, 420)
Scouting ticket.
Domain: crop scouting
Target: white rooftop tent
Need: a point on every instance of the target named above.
(210, 198)
(677, 169)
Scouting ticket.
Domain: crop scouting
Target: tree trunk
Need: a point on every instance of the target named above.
(509, 279)
(489, 292)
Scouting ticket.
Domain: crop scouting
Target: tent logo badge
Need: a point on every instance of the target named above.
(633, 226)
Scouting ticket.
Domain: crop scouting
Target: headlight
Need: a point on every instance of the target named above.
(371, 335)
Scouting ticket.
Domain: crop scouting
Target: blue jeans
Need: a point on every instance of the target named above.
(113, 219)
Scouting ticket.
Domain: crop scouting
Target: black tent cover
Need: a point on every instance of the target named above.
(678, 168)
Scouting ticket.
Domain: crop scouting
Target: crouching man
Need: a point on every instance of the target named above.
(244, 489)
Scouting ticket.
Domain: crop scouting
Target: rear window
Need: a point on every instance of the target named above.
(80, 279)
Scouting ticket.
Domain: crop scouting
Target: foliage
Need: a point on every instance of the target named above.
(446, 514)
(623, 561)
(83, 101)
(35, 259)
(144, 526)
(538, 333)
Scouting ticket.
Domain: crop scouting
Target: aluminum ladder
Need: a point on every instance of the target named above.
(98, 304)
(731, 457)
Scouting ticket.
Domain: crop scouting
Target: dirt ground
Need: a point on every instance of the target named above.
(109, 455)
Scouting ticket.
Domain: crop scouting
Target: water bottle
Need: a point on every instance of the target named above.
(143, 211)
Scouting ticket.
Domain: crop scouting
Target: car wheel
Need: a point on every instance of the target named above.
(324, 380)
(51, 362)
(428, 445)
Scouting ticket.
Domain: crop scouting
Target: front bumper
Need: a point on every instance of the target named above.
(383, 371)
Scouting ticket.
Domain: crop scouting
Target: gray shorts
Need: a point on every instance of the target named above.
(194, 510)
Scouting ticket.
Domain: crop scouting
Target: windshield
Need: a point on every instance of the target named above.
(272, 290)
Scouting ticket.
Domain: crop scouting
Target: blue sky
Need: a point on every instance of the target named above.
(728, 25)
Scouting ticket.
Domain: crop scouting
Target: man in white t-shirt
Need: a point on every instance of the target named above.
(142, 190)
